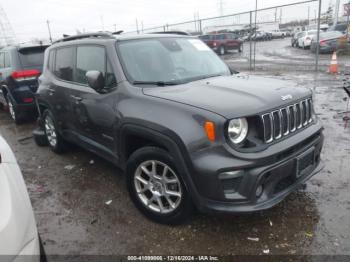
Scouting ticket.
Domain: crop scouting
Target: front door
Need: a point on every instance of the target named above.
(93, 112)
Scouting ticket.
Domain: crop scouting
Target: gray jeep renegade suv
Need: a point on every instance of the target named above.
(187, 131)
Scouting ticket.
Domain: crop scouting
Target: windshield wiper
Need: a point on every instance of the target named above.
(157, 83)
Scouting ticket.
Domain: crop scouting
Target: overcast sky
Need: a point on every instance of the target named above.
(28, 17)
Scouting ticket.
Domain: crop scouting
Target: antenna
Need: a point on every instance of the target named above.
(7, 35)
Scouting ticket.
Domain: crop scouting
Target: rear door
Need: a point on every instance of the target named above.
(232, 42)
(59, 82)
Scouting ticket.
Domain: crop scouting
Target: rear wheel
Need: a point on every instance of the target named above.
(240, 49)
(55, 140)
(12, 108)
(156, 188)
(222, 50)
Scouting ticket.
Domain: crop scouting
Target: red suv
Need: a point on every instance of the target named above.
(221, 43)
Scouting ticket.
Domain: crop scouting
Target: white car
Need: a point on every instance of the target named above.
(305, 38)
(278, 33)
(19, 239)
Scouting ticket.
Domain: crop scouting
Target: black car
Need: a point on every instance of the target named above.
(20, 67)
(187, 131)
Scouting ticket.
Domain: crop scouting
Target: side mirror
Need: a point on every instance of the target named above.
(95, 80)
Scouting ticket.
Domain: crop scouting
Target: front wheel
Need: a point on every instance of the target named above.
(55, 140)
(156, 187)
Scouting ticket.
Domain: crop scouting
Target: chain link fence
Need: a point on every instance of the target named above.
(267, 35)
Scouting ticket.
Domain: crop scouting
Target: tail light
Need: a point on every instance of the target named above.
(28, 100)
(25, 74)
(214, 44)
(322, 42)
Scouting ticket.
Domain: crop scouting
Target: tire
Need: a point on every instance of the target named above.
(40, 138)
(222, 50)
(55, 140)
(42, 251)
(14, 112)
(240, 49)
(152, 199)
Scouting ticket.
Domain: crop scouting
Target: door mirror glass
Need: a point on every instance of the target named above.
(95, 80)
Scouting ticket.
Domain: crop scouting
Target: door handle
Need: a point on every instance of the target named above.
(76, 98)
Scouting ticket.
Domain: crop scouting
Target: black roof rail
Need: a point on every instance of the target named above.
(82, 36)
(172, 32)
(117, 32)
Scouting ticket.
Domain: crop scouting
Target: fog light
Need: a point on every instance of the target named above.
(259, 191)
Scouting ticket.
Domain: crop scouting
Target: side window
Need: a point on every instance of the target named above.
(64, 63)
(93, 58)
(7, 62)
(2, 60)
(50, 62)
(89, 58)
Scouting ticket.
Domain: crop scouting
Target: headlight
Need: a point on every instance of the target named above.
(238, 130)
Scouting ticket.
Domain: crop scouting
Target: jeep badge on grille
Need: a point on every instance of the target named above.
(286, 97)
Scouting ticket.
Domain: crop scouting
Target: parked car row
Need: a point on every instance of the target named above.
(329, 41)
(188, 132)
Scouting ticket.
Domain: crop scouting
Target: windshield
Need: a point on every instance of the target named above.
(176, 60)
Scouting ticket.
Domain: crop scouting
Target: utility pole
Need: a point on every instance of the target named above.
(347, 21)
(276, 15)
(102, 23)
(195, 22)
(48, 27)
(336, 12)
(308, 15)
(281, 16)
(256, 13)
(137, 26)
(142, 26)
(221, 7)
(318, 34)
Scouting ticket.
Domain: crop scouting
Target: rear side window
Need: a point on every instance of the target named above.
(64, 63)
(32, 56)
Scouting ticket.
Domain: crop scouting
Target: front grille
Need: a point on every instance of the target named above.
(282, 122)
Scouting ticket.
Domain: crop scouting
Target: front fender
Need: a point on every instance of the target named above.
(166, 138)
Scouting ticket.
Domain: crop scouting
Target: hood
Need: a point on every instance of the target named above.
(233, 96)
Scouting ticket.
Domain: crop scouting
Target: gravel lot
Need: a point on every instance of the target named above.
(69, 193)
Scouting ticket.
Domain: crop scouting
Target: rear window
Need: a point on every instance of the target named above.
(32, 56)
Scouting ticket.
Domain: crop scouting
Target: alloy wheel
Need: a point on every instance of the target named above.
(157, 186)
(50, 131)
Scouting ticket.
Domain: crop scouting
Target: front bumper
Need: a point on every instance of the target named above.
(237, 188)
